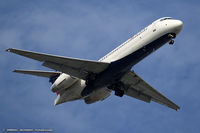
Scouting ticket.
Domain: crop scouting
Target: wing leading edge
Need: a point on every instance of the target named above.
(136, 87)
(47, 74)
(75, 67)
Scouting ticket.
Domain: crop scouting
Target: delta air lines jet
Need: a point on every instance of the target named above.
(93, 81)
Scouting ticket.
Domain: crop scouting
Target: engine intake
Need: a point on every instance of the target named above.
(53, 78)
(62, 82)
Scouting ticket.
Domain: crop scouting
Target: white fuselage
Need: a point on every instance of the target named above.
(149, 34)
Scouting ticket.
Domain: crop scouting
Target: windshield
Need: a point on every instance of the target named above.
(162, 19)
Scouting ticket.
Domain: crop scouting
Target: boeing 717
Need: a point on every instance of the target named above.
(92, 81)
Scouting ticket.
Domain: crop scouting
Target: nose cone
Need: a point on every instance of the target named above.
(178, 26)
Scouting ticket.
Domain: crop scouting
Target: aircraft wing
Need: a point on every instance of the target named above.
(136, 87)
(75, 67)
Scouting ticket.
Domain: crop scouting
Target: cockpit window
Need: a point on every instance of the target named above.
(164, 19)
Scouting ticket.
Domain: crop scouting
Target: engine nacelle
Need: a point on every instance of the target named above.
(62, 82)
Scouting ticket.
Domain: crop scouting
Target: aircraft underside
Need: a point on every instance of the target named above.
(93, 81)
(117, 69)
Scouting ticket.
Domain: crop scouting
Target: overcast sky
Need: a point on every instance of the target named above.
(89, 30)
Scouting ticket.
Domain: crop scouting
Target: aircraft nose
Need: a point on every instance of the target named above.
(179, 26)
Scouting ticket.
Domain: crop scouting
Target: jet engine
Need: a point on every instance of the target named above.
(62, 82)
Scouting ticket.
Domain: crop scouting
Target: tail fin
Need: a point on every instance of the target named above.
(47, 74)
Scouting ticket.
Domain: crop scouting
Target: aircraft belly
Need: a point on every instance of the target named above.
(120, 67)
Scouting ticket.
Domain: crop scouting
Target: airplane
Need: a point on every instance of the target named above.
(92, 81)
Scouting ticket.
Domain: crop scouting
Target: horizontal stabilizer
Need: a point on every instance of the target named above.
(47, 74)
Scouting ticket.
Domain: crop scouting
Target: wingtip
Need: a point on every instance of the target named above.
(8, 50)
(178, 109)
(11, 50)
(14, 70)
